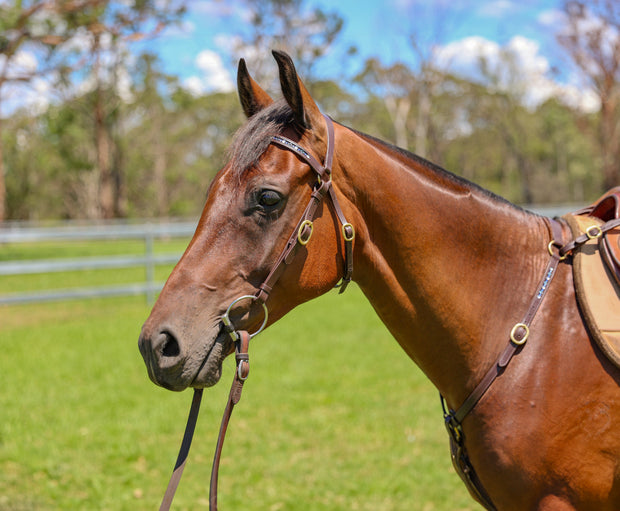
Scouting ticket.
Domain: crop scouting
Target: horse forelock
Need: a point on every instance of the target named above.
(253, 138)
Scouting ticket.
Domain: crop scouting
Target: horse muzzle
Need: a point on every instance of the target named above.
(164, 358)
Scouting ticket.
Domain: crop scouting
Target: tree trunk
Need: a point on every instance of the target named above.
(610, 145)
(104, 167)
(102, 144)
(421, 125)
(398, 108)
(2, 180)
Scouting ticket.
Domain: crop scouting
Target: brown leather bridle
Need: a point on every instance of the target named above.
(300, 237)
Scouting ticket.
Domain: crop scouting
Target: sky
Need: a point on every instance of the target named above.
(198, 51)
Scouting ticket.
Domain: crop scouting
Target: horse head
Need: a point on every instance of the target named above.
(253, 205)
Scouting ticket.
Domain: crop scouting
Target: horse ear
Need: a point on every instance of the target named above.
(305, 110)
(253, 98)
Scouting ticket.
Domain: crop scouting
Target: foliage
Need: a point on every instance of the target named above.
(592, 40)
(135, 143)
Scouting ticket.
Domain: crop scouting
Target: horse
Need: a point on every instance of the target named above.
(449, 268)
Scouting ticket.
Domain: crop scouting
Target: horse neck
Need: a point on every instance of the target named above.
(448, 268)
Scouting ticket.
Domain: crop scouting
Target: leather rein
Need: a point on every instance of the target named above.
(299, 238)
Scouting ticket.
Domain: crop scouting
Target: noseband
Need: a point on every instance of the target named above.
(299, 238)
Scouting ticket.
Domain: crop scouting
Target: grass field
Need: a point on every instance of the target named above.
(333, 417)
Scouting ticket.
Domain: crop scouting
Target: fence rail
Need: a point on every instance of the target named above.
(79, 232)
(115, 231)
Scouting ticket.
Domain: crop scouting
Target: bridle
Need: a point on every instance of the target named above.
(299, 238)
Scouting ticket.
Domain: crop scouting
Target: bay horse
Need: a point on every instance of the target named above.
(448, 267)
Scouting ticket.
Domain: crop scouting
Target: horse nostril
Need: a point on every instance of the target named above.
(170, 347)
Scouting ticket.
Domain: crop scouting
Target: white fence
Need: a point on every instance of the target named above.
(146, 232)
(116, 231)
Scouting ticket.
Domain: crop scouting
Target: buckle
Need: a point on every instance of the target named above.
(557, 245)
(300, 232)
(348, 227)
(519, 339)
(593, 232)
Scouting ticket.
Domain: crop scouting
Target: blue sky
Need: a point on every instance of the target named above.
(198, 51)
(377, 28)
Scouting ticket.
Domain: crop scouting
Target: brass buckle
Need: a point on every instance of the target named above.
(593, 232)
(557, 245)
(344, 232)
(513, 332)
(304, 241)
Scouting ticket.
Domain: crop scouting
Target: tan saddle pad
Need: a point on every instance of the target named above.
(597, 288)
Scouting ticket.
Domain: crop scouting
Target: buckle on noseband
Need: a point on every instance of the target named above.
(228, 325)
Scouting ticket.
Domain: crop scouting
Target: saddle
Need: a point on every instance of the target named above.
(596, 270)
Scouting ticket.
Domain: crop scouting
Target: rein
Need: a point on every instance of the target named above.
(299, 238)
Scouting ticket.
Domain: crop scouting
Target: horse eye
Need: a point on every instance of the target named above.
(269, 198)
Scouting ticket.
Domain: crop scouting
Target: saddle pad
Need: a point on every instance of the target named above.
(598, 292)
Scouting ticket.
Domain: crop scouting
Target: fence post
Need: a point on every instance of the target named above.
(149, 266)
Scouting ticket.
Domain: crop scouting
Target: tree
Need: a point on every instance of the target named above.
(304, 33)
(105, 29)
(394, 85)
(592, 40)
(78, 40)
(25, 27)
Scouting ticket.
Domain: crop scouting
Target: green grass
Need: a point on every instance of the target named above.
(333, 417)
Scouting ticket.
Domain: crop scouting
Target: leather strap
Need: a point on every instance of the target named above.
(241, 374)
(303, 230)
(593, 232)
(183, 451)
(518, 337)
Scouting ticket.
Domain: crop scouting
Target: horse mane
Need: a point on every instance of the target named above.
(450, 177)
(253, 138)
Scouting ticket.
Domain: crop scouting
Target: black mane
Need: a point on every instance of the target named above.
(449, 176)
(253, 138)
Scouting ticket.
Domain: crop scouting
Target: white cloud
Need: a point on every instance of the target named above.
(582, 99)
(26, 90)
(497, 9)
(194, 85)
(552, 18)
(22, 64)
(517, 67)
(183, 30)
(464, 56)
(214, 78)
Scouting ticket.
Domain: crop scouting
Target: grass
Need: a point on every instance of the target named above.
(333, 417)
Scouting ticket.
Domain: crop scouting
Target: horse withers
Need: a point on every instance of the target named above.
(452, 270)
